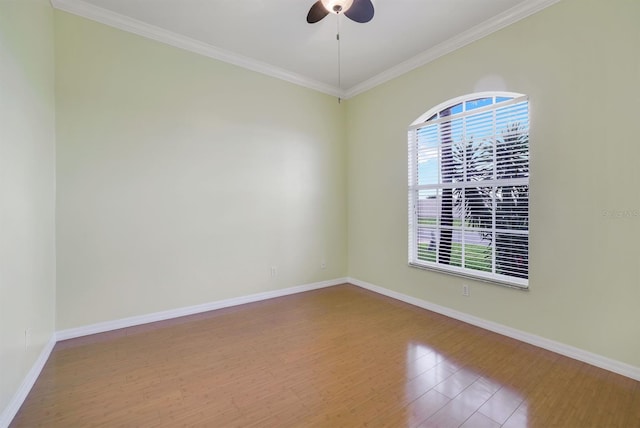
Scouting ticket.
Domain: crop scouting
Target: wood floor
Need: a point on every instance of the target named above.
(335, 357)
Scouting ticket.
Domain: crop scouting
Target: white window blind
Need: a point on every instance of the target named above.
(469, 188)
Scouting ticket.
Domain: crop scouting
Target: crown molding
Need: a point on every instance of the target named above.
(124, 23)
(131, 25)
(492, 25)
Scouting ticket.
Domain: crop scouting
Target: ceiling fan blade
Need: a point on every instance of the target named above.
(360, 11)
(316, 13)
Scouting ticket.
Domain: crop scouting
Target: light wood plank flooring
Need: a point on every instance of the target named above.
(335, 357)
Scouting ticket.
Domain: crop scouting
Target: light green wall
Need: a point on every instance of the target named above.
(579, 62)
(182, 180)
(27, 188)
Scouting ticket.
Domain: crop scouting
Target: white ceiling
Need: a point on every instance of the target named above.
(273, 37)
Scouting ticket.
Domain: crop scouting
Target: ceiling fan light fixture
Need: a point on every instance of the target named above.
(337, 6)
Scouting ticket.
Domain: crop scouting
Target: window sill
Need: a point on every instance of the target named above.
(492, 281)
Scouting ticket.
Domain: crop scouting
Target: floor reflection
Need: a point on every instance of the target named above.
(441, 392)
(338, 356)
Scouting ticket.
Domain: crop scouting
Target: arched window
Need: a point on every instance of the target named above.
(469, 188)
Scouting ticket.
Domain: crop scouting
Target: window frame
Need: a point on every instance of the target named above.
(427, 119)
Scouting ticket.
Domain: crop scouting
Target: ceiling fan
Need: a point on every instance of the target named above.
(356, 10)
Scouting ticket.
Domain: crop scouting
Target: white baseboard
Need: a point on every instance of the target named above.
(14, 405)
(10, 411)
(576, 353)
(190, 310)
(551, 345)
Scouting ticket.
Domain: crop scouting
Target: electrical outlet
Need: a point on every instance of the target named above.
(323, 264)
(465, 290)
(274, 271)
